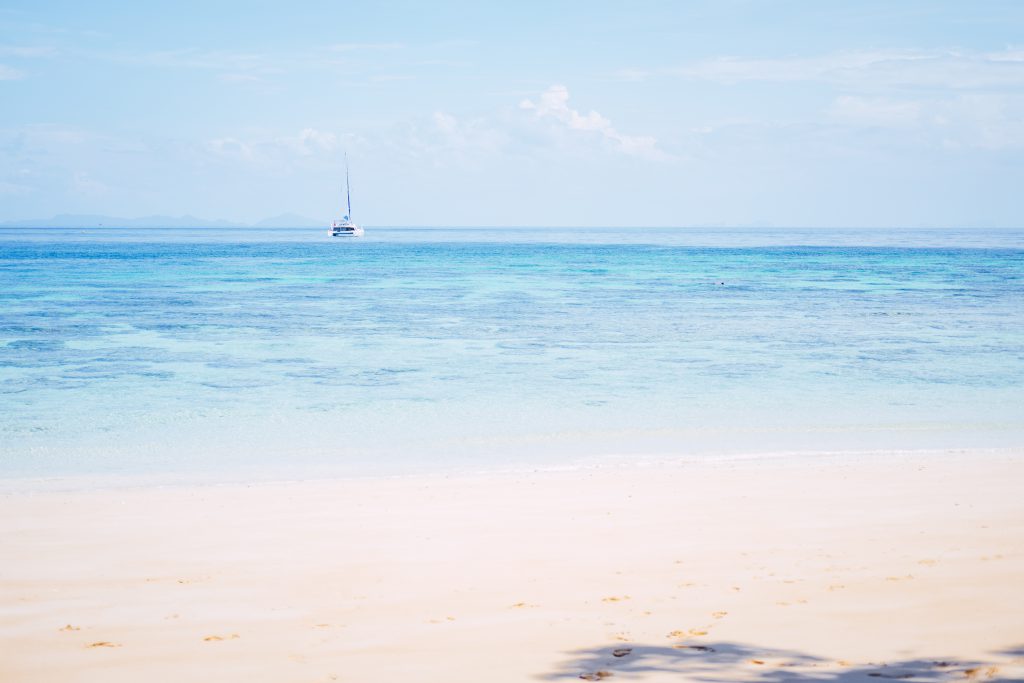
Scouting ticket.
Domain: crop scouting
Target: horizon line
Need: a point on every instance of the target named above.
(252, 226)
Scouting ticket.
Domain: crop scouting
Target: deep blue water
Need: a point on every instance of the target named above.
(208, 353)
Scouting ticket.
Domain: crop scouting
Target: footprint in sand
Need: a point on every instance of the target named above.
(69, 627)
(698, 648)
(213, 639)
(718, 615)
(103, 643)
(596, 676)
(615, 598)
(879, 674)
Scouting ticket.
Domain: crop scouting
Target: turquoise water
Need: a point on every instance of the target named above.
(221, 353)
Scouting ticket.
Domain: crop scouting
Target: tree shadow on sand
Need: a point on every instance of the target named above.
(724, 661)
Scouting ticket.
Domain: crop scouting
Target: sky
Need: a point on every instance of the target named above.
(706, 113)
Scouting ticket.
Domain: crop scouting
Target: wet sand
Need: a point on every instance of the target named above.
(902, 567)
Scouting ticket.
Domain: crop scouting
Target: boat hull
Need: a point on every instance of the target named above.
(339, 229)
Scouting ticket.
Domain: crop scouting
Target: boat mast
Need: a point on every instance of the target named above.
(348, 191)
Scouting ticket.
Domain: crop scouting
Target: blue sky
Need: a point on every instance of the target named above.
(724, 112)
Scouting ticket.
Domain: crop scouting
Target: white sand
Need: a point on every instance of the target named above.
(829, 569)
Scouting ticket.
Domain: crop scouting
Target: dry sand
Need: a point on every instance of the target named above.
(811, 569)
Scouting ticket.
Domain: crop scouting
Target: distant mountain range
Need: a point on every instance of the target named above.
(64, 220)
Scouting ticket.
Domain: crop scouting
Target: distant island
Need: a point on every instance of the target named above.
(64, 220)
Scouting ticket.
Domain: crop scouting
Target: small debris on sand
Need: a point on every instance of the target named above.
(621, 652)
(596, 676)
(69, 627)
(103, 643)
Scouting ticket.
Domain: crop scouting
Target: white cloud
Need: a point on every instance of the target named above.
(631, 75)
(738, 69)
(198, 59)
(13, 188)
(359, 47)
(981, 120)
(554, 105)
(875, 111)
(240, 78)
(311, 141)
(914, 68)
(277, 150)
(27, 51)
(234, 67)
(230, 147)
(445, 123)
(9, 73)
(42, 135)
(463, 136)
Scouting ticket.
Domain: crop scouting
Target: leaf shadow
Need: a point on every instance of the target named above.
(742, 663)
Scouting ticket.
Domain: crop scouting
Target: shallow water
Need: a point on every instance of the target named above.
(212, 353)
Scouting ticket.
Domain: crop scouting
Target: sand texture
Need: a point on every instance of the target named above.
(885, 567)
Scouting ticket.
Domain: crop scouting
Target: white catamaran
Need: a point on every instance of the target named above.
(346, 227)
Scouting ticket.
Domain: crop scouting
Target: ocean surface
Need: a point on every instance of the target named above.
(202, 354)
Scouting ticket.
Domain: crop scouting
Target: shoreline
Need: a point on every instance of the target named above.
(857, 567)
(79, 483)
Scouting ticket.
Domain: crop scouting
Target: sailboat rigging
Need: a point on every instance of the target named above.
(346, 227)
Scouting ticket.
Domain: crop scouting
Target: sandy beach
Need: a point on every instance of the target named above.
(839, 569)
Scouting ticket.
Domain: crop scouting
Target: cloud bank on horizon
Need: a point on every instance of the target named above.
(731, 112)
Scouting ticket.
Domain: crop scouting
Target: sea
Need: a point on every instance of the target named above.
(211, 355)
